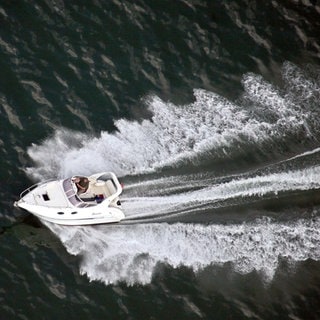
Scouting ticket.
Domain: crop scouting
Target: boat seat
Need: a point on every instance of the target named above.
(111, 188)
(103, 187)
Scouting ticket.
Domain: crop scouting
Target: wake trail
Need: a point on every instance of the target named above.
(211, 129)
(131, 254)
(137, 207)
(214, 135)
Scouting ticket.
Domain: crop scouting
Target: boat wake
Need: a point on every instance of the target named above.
(272, 130)
(132, 254)
(210, 194)
(211, 130)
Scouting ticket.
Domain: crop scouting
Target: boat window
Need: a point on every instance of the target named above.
(45, 197)
(74, 212)
(60, 212)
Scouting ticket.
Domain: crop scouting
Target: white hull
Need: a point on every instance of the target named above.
(57, 202)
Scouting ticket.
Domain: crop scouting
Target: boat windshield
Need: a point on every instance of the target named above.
(105, 177)
(72, 195)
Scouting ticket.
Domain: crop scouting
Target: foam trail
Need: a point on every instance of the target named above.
(302, 155)
(306, 179)
(211, 127)
(131, 253)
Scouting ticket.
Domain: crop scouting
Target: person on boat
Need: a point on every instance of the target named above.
(82, 184)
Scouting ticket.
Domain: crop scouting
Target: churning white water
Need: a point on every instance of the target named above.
(175, 134)
(257, 186)
(131, 253)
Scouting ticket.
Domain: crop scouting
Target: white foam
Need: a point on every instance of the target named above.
(131, 253)
(302, 155)
(213, 125)
(272, 184)
(182, 133)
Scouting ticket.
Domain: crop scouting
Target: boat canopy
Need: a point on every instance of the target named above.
(72, 194)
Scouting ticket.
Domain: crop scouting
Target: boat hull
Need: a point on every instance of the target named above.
(71, 217)
(59, 201)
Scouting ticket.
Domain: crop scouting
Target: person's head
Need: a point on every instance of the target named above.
(83, 182)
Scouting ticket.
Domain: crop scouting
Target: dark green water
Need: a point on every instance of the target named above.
(208, 111)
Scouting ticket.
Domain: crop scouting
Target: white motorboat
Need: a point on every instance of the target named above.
(75, 201)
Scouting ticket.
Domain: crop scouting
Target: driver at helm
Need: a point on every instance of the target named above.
(82, 184)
